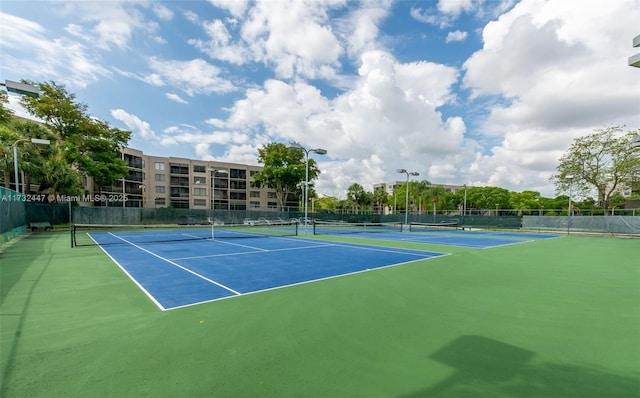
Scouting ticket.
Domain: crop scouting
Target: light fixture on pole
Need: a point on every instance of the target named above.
(21, 88)
(15, 155)
(319, 151)
(406, 199)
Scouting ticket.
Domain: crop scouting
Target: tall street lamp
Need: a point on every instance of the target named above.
(570, 179)
(319, 151)
(464, 205)
(213, 172)
(15, 155)
(406, 199)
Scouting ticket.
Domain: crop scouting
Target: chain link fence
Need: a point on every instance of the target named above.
(13, 220)
(615, 225)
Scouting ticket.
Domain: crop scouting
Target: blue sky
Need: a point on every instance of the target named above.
(472, 92)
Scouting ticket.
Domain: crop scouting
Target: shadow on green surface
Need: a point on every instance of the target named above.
(16, 260)
(489, 368)
(21, 268)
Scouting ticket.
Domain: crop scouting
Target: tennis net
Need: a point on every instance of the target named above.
(339, 227)
(431, 227)
(93, 234)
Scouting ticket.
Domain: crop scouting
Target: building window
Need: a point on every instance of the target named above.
(238, 185)
(160, 189)
(180, 204)
(238, 174)
(159, 166)
(238, 195)
(254, 194)
(180, 192)
(200, 180)
(272, 205)
(160, 177)
(181, 181)
(200, 191)
(198, 168)
(199, 202)
(271, 195)
(254, 205)
(179, 169)
(160, 201)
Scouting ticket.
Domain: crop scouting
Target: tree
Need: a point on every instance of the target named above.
(487, 198)
(283, 170)
(7, 137)
(525, 201)
(600, 161)
(379, 198)
(327, 203)
(88, 144)
(358, 196)
(5, 113)
(31, 158)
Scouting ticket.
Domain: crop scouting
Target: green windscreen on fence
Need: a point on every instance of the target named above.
(13, 220)
(628, 225)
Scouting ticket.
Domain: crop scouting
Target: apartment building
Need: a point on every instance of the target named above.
(390, 187)
(155, 182)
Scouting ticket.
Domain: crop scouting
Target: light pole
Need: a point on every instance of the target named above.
(570, 179)
(214, 171)
(319, 151)
(464, 206)
(406, 199)
(15, 155)
(142, 194)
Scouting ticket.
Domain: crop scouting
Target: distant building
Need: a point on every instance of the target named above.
(634, 60)
(155, 182)
(390, 188)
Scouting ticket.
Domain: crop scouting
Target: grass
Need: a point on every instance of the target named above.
(552, 318)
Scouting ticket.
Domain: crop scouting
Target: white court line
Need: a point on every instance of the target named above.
(261, 250)
(412, 252)
(156, 302)
(311, 281)
(177, 265)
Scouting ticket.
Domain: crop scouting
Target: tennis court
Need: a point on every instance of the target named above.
(178, 268)
(435, 234)
(547, 318)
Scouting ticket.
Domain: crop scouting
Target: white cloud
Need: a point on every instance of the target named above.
(235, 7)
(388, 120)
(561, 82)
(431, 17)
(455, 7)
(294, 37)
(193, 77)
(176, 98)
(456, 35)
(219, 44)
(108, 24)
(360, 29)
(68, 62)
(162, 12)
(134, 123)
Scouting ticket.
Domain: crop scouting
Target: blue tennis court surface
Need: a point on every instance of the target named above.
(473, 239)
(185, 273)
